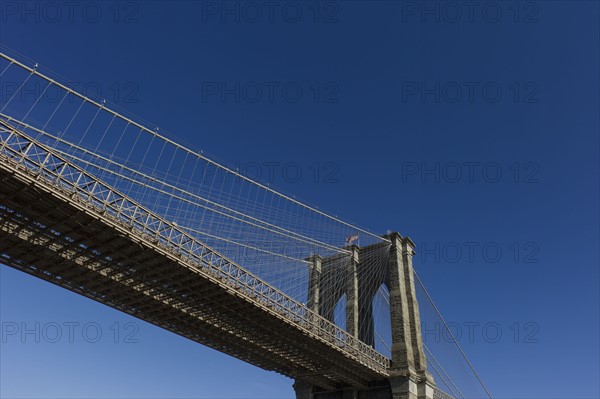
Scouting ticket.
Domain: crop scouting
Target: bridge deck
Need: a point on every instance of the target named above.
(49, 231)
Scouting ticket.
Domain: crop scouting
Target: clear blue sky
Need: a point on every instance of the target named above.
(388, 90)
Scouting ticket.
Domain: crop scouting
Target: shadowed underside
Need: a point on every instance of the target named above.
(47, 231)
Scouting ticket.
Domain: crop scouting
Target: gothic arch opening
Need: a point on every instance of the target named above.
(382, 324)
(339, 312)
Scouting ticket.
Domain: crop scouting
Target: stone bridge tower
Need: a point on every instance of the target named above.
(408, 375)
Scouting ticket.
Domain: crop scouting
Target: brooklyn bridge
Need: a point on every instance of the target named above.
(107, 206)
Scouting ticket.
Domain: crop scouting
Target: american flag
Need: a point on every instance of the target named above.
(351, 239)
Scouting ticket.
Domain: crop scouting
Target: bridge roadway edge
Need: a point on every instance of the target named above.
(314, 354)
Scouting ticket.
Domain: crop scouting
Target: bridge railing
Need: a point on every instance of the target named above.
(33, 158)
(439, 394)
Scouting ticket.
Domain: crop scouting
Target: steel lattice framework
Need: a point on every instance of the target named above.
(65, 226)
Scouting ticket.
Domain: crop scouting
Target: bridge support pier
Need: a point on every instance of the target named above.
(409, 365)
(426, 388)
(411, 387)
(408, 375)
(404, 387)
(303, 389)
(314, 282)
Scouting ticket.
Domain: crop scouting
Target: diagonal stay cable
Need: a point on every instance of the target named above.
(434, 360)
(290, 234)
(243, 245)
(464, 355)
(185, 149)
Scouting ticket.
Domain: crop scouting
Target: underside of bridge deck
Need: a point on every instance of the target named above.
(45, 234)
